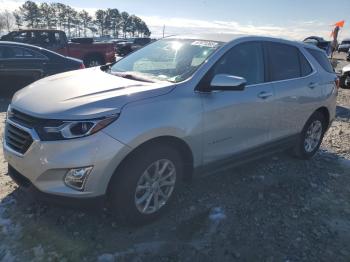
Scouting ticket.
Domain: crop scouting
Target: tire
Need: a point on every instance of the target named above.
(303, 149)
(344, 81)
(122, 190)
(92, 61)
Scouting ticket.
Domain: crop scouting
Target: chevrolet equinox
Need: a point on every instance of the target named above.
(133, 130)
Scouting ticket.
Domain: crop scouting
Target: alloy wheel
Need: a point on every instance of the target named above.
(155, 186)
(313, 136)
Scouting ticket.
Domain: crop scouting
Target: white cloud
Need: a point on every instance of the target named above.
(10, 5)
(296, 30)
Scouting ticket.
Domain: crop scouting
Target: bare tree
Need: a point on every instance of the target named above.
(18, 19)
(8, 20)
(2, 22)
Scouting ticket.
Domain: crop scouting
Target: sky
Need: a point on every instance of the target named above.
(292, 19)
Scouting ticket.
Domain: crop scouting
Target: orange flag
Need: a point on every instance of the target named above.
(340, 23)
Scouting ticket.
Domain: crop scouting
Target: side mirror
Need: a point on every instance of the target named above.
(226, 82)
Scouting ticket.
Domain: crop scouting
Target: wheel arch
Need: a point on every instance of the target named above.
(180, 145)
(325, 112)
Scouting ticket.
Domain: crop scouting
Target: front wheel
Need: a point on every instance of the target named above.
(311, 137)
(145, 184)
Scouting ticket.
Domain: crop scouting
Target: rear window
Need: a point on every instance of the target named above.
(322, 59)
(283, 62)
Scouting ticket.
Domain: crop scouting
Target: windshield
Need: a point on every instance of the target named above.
(171, 60)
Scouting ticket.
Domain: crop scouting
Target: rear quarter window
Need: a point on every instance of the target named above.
(306, 68)
(322, 59)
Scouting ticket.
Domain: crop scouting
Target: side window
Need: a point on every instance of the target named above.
(306, 68)
(22, 53)
(244, 60)
(18, 53)
(283, 62)
(23, 37)
(2, 52)
(42, 39)
(7, 53)
(322, 59)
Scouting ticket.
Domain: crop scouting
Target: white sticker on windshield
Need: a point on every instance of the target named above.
(205, 43)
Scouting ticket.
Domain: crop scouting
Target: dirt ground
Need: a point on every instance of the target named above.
(275, 209)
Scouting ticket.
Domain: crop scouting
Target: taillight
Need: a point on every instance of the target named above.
(82, 66)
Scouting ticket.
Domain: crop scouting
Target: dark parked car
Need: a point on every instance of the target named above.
(318, 41)
(92, 53)
(22, 64)
(125, 48)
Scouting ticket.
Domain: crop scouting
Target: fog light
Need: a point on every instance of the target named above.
(76, 177)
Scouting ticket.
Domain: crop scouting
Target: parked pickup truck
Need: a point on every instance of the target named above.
(93, 54)
(126, 47)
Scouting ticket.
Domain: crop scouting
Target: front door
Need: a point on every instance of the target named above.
(236, 121)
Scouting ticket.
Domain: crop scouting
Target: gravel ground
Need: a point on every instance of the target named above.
(275, 209)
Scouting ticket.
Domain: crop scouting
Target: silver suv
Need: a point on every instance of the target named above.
(132, 131)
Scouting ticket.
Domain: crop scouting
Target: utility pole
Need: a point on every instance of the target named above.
(163, 31)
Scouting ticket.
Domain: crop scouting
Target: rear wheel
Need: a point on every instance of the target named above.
(145, 184)
(311, 137)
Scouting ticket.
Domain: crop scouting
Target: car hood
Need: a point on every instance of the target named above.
(83, 94)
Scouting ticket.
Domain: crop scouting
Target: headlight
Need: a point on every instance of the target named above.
(76, 129)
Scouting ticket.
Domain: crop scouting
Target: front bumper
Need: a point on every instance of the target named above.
(45, 163)
(26, 185)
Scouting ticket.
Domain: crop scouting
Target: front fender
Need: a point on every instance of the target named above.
(167, 115)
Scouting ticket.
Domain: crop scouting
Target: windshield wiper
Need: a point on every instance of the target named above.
(133, 76)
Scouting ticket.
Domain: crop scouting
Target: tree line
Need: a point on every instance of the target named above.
(75, 23)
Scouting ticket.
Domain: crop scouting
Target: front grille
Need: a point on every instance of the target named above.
(24, 119)
(17, 139)
(36, 124)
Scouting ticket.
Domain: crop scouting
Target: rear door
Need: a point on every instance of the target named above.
(296, 88)
(235, 121)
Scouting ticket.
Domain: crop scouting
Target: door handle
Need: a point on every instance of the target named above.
(264, 95)
(312, 85)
